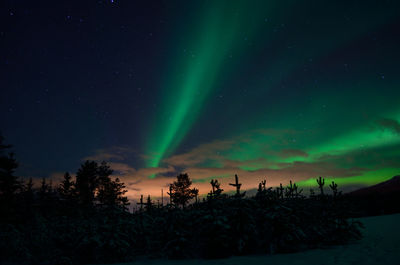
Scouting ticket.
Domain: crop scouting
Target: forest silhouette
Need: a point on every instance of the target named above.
(86, 219)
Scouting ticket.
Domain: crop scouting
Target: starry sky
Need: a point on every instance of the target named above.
(264, 89)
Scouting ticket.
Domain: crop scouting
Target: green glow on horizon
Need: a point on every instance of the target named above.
(259, 146)
(368, 179)
(356, 140)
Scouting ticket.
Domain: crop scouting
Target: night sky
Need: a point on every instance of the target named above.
(264, 89)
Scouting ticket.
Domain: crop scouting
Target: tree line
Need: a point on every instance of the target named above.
(86, 219)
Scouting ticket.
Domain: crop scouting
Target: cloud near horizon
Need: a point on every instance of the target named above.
(260, 154)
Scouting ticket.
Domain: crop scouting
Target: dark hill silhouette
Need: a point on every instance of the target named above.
(389, 186)
(378, 199)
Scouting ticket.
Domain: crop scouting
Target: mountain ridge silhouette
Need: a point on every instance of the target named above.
(389, 186)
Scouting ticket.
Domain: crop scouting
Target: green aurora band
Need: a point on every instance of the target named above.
(196, 73)
(316, 124)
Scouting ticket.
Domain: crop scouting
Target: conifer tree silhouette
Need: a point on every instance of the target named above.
(141, 203)
(216, 190)
(321, 183)
(43, 190)
(196, 195)
(237, 185)
(109, 193)
(262, 186)
(149, 203)
(169, 193)
(9, 183)
(279, 191)
(28, 191)
(181, 192)
(289, 192)
(119, 190)
(86, 182)
(105, 194)
(66, 187)
(297, 191)
(334, 189)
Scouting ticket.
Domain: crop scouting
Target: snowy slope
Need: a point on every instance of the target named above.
(380, 245)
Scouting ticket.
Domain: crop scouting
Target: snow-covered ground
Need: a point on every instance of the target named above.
(380, 245)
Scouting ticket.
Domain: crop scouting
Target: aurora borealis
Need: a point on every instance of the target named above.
(277, 90)
(195, 74)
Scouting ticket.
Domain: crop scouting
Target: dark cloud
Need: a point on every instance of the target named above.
(389, 124)
(293, 153)
(135, 189)
(134, 182)
(113, 153)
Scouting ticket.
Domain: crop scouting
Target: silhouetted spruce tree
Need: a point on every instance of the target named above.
(47, 195)
(104, 172)
(28, 191)
(28, 196)
(279, 191)
(237, 185)
(297, 191)
(262, 186)
(216, 190)
(66, 187)
(149, 204)
(334, 189)
(110, 192)
(293, 191)
(43, 190)
(104, 184)
(181, 192)
(119, 190)
(9, 183)
(141, 203)
(262, 189)
(196, 195)
(86, 182)
(289, 191)
(321, 183)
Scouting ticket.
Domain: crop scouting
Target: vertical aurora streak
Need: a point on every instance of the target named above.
(196, 73)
